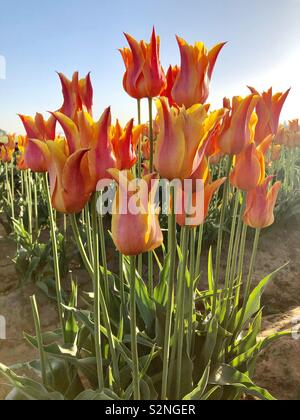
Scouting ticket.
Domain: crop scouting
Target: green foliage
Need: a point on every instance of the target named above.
(220, 364)
(34, 259)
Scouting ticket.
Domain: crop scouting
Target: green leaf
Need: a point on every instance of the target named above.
(105, 395)
(228, 376)
(199, 391)
(211, 341)
(161, 291)
(30, 389)
(210, 278)
(254, 302)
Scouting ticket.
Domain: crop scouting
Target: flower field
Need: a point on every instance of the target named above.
(155, 259)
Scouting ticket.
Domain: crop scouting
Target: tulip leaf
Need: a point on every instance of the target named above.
(90, 395)
(254, 301)
(161, 291)
(201, 388)
(230, 377)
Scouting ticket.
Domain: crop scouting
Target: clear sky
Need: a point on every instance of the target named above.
(40, 37)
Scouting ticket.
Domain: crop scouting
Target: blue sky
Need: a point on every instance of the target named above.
(38, 38)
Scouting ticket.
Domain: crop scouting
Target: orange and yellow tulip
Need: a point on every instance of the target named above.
(268, 109)
(181, 134)
(250, 165)
(134, 234)
(94, 137)
(276, 153)
(281, 137)
(38, 128)
(171, 76)
(144, 76)
(70, 184)
(238, 125)
(189, 85)
(125, 143)
(77, 93)
(260, 204)
(22, 143)
(7, 148)
(108, 146)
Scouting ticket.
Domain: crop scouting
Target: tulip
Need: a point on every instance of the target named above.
(7, 148)
(282, 137)
(69, 180)
(294, 126)
(191, 84)
(250, 165)
(268, 109)
(134, 234)
(144, 76)
(260, 204)
(93, 136)
(22, 143)
(124, 143)
(172, 75)
(276, 153)
(249, 170)
(78, 95)
(181, 133)
(238, 126)
(146, 149)
(199, 214)
(38, 128)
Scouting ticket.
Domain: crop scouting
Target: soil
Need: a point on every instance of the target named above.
(278, 369)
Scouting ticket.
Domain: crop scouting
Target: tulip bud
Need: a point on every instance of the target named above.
(237, 128)
(78, 95)
(260, 204)
(268, 109)
(191, 85)
(69, 181)
(181, 134)
(144, 76)
(134, 232)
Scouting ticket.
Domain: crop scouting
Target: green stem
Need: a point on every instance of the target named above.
(181, 311)
(191, 306)
(232, 239)
(151, 138)
(87, 219)
(170, 303)
(97, 305)
(103, 305)
(55, 259)
(37, 324)
(122, 288)
(151, 134)
(199, 251)
(140, 257)
(133, 331)
(221, 228)
(103, 254)
(28, 200)
(12, 189)
(80, 246)
(242, 252)
(247, 290)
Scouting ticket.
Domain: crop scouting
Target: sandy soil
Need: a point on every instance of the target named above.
(278, 369)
